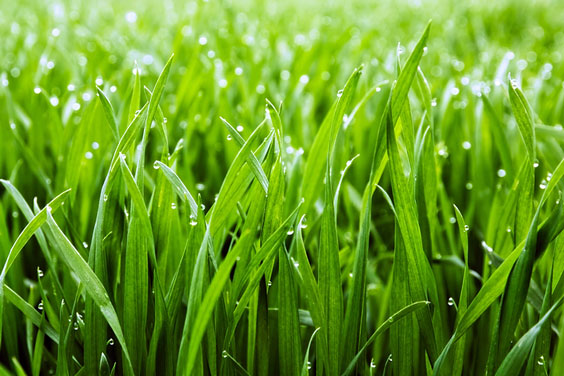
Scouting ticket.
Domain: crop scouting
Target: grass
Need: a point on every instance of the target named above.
(224, 188)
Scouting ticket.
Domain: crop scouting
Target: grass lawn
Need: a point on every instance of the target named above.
(222, 187)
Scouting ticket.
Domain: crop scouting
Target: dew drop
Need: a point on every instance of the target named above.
(450, 301)
(229, 138)
(339, 93)
(269, 283)
(37, 90)
(85, 245)
(469, 186)
(434, 102)
(105, 198)
(452, 220)
(39, 273)
(540, 362)
(290, 232)
(466, 228)
(40, 306)
(466, 145)
(173, 205)
(240, 128)
(111, 342)
(156, 165)
(501, 173)
(224, 354)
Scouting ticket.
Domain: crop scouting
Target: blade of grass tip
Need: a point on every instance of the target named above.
(91, 282)
(288, 324)
(273, 116)
(178, 187)
(496, 283)
(514, 361)
(393, 319)
(252, 160)
(236, 181)
(315, 166)
(161, 123)
(524, 117)
(158, 92)
(135, 102)
(306, 364)
(24, 237)
(29, 215)
(399, 96)
(37, 353)
(108, 112)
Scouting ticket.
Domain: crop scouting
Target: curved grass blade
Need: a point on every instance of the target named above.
(413, 307)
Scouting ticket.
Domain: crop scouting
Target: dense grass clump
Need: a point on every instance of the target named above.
(222, 188)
